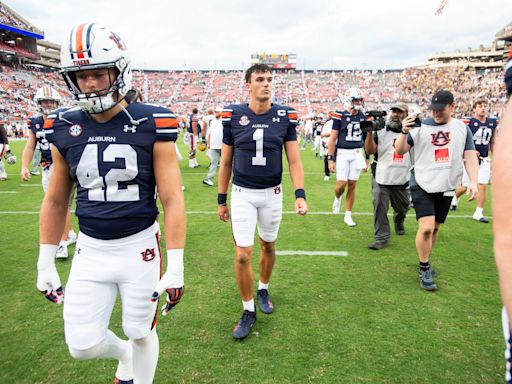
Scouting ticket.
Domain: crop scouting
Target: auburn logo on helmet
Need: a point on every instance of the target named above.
(440, 138)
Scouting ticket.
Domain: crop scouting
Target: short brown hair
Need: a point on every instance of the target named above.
(479, 101)
(256, 68)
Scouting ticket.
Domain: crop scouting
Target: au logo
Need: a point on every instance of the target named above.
(149, 254)
(440, 138)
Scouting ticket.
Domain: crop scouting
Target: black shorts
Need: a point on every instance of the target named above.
(430, 204)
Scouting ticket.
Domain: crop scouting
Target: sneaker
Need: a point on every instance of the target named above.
(71, 238)
(62, 252)
(481, 219)
(432, 270)
(427, 280)
(182, 187)
(208, 182)
(35, 173)
(336, 205)
(348, 220)
(400, 229)
(245, 324)
(376, 245)
(326, 178)
(453, 207)
(264, 302)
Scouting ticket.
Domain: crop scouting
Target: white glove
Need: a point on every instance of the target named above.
(172, 281)
(48, 280)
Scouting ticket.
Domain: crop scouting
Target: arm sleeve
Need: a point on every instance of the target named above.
(227, 135)
(470, 145)
(166, 125)
(291, 133)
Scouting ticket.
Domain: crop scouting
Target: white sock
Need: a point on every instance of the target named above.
(262, 285)
(248, 305)
(479, 211)
(145, 357)
(455, 200)
(348, 213)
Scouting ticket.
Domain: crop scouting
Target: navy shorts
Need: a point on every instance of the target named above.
(431, 204)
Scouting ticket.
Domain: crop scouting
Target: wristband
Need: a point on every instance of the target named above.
(46, 255)
(403, 133)
(175, 267)
(300, 193)
(222, 198)
(330, 158)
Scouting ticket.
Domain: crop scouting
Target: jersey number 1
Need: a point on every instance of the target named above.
(259, 159)
(106, 188)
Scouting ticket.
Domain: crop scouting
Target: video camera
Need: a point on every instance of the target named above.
(377, 121)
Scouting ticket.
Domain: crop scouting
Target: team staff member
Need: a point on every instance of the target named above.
(442, 147)
(390, 180)
(253, 141)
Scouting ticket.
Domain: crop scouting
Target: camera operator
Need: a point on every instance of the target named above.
(439, 150)
(390, 177)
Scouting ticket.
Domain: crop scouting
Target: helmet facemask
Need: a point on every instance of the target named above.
(47, 111)
(100, 100)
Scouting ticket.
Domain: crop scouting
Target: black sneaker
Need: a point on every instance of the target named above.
(117, 381)
(377, 245)
(400, 229)
(427, 280)
(432, 270)
(245, 324)
(264, 302)
(453, 207)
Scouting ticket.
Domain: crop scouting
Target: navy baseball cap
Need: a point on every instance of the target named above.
(440, 100)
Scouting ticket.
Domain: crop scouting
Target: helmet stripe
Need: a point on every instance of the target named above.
(71, 42)
(88, 41)
(78, 41)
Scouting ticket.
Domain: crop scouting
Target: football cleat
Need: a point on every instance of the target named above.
(71, 237)
(10, 158)
(481, 219)
(244, 325)
(208, 182)
(62, 252)
(453, 207)
(348, 220)
(326, 178)
(264, 302)
(118, 381)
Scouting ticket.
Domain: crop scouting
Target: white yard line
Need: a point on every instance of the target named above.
(311, 253)
(8, 191)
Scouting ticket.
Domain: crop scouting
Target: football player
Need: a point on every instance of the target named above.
(253, 140)
(483, 129)
(502, 210)
(117, 152)
(5, 151)
(47, 99)
(193, 130)
(348, 140)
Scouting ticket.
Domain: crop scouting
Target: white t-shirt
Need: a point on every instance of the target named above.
(215, 133)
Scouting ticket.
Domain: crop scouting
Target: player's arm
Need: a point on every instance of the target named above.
(28, 154)
(52, 220)
(226, 167)
(471, 157)
(296, 175)
(193, 124)
(370, 147)
(168, 182)
(502, 205)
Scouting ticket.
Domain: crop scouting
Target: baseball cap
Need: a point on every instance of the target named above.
(400, 106)
(218, 109)
(440, 100)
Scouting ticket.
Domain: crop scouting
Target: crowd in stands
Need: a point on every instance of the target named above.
(310, 92)
(6, 17)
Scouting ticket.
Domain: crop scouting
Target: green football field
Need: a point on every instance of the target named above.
(360, 318)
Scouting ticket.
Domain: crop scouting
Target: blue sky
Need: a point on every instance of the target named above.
(325, 34)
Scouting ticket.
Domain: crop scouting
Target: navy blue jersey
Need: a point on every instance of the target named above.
(317, 128)
(258, 143)
(112, 166)
(482, 134)
(349, 132)
(192, 119)
(35, 124)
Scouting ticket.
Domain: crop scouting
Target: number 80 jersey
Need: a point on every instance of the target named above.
(257, 142)
(112, 166)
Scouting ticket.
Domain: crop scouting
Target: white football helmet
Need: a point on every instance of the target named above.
(90, 46)
(46, 93)
(352, 94)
